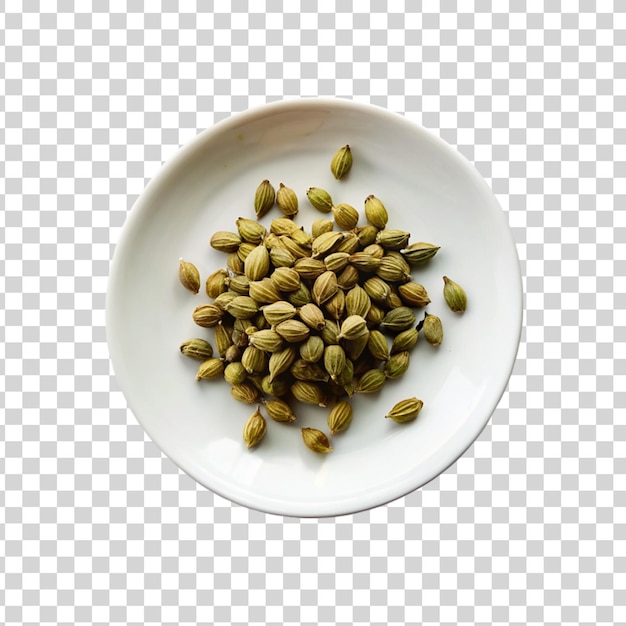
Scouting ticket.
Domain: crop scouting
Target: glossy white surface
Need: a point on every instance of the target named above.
(429, 190)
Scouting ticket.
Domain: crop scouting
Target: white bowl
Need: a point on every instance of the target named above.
(429, 190)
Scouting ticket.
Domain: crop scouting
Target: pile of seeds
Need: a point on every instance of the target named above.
(313, 316)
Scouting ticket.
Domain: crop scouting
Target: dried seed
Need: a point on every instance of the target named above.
(257, 263)
(225, 241)
(372, 381)
(309, 268)
(216, 283)
(292, 331)
(324, 287)
(254, 430)
(405, 410)
(353, 327)
(207, 315)
(413, 294)
(341, 162)
(320, 199)
(320, 226)
(281, 258)
(454, 295)
(355, 347)
(234, 263)
(245, 249)
(336, 306)
(233, 353)
(235, 373)
(419, 252)
(364, 262)
(197, 349)
(358, 302)
(334, 361)
(287, 200)
(239, 284)
(279, 312)
(375, 212)
(297, 250)
(264, 198)
(349, 244)
(223, 338)
(281, 361)
(189, 276)
(285, 279)
(330, 332)
(312, 316)
(340, 417)
(246, 392)
(366, 235)
(377, 346)
(399, 319)
(336, 261)
(433, 330)
(242, 307)
(375, 250)
(301, 238)
(267, 340)
(275, 387)
(325, 243)
(316, 440)
(211, 368)
(346, 216)
(309, 393)
(393, 300)
(348, 278)
(250, 230)
(301, 296)
(254, 360)
(392, 270)
(377, 289)
(392, 239)
(312, 349)
(279, 411)
(264, 291)
(397, 364)
(283, 226)
(374, 316)
(304, 370)
(405, 340)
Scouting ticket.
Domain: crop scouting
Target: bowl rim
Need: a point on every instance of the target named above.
(196, 145)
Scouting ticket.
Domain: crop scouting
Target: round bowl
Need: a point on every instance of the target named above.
(429, 190)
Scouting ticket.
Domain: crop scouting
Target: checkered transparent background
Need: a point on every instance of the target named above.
(97, 527)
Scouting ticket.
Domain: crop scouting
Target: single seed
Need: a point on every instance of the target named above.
(211, 368)
(454, 295)
(320, 199)
(346, 216)
(433, 330)
(264, 198)
(341, 162)
(405, 410)
(250, 230)
(287, 200)
(225, 241)
(189, 276)
(279, 411)
(316, 440)
(340, 417)
(375, 212)
(197, 349)
(255, 429)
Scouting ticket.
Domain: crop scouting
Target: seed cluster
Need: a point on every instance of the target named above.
(313, 316)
